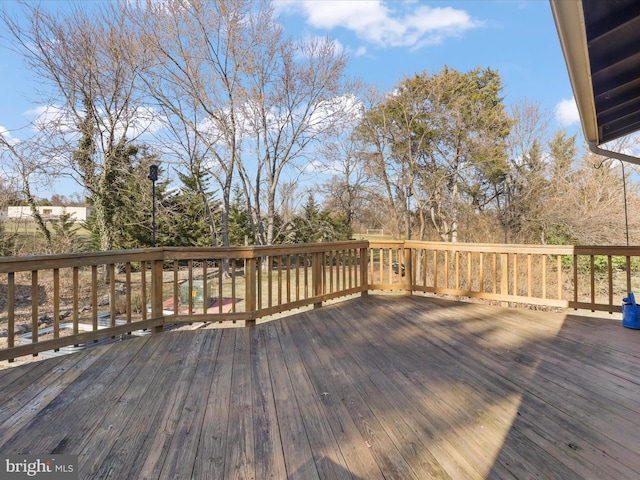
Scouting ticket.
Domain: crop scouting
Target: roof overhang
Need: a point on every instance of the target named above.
(601, 45)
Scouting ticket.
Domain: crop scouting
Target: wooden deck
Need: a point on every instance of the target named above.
(375, 387)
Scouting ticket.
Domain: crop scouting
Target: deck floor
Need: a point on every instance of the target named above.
(404, 387)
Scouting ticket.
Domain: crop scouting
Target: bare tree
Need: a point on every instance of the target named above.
(201, 51)
(521, 190)
(375, 144)
(29, 164)
(298, 97)
(253, 101)
(346, 188)
(89, 61)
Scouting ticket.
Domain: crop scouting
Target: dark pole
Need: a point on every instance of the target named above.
(624, 193)
(153, 176)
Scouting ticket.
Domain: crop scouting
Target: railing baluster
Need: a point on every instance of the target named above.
(481, 287)
(495, 272)
(575, 278)
(352, 268)
(128, 291)
(233, 284)
(559, 269)
(76, 299)
(112, 295)
(250, 282)
(529, 274)
(270, 281)
(190, 286)
(435, 269)
(220, 285)
(34, 308)
(317, 277)
(333, 260)
(11, 308)
(205, 290)
(446, 269)
(457, 258)
(593, 279)
(345, 267)
(504, 274)
(94, 297)
(279, 279)
(308, 258)
(371, 274)
(515, 274)
(56, 303)
(176, 293)
(258, 267)
(610, 272)
(296, 261)
(288, 278)
(544, 276)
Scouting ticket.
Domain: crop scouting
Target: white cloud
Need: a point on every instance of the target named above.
(360, 51)
(566, 113)
(139, 121)
(337, 112)
(7, 137)
(49, 117)
(144, 120)
(387, 24)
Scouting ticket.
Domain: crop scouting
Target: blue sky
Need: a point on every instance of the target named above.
(393, 39)
(388, 40)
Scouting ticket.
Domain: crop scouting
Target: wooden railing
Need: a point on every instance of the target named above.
(577, 277)
(58, 301)
(67, 301)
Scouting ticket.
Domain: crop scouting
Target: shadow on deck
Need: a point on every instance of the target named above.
(373, 387)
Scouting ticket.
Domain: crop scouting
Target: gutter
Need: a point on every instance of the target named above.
(623, 157)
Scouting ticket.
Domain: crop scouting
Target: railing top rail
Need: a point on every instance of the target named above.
(262, 250)
(524, 248)
(42, 262)
(493, 247)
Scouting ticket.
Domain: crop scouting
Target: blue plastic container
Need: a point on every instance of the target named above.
(630, 316)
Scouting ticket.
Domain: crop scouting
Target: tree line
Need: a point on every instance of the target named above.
(264, 139)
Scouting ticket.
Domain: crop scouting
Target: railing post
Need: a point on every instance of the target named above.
(364, 269)
(156, 292)
(251, 284)
(317, 277)
(504, 276)
(408, 270)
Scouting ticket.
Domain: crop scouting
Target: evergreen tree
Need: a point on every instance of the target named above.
(186, 223)
(7, 241)
(439, 139)
(65, 235)
(240, 231)
(316, 225)
(129, 204)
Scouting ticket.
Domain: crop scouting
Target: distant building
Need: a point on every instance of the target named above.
(78, 214)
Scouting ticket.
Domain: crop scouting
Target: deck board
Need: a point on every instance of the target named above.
(372, 387)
